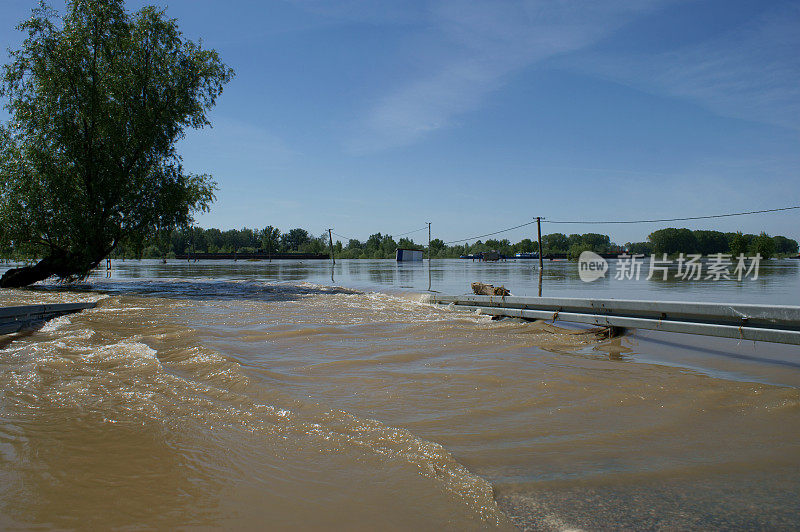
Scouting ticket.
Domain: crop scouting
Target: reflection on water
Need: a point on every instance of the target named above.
(778, 281)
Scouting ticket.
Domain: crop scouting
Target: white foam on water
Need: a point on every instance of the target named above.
(119, 309)
(431, 459)
(541, 515)
(55, 324)
(370, 307)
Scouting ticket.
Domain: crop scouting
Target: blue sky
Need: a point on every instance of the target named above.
(478, 115)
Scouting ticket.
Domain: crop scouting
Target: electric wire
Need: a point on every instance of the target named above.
(409, 232)
(667, 219)
(393, 236)
(491, 234)
(342, 236)
(598, 222)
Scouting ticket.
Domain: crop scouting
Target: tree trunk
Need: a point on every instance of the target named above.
(63, 266)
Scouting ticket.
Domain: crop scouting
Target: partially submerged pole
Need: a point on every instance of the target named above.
(429, 241)
(429, 256)
(539, 233)
(330, 238)
(541, 263)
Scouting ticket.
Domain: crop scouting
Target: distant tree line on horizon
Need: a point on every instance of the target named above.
(380, 246)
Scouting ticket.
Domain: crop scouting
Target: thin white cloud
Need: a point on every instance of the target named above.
(240, 148)
(751, 73)
(487, 42)
(367, 11)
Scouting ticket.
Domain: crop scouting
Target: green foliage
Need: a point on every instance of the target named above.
(639, 248)
(711, 242)
(554, 243)
(270, 239)
(671, 241)
(438, 244)
(576, 249)
(785, 246)
(739, 244)
(388, 246)
(559, 243)
(294, 239)
(407, 243)
(316, 245)
(373, 242)
(763, 245)
(438, 249)
(595, 242)
(379, 246)
(152, 252)
(98, 100)
(526, 245)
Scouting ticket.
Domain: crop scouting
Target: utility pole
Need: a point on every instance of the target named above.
(330, 238)
(541, 263)
(429, 241)
(539, 231)
(429, 256)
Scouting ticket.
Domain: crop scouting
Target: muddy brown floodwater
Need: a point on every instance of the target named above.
(261, 403)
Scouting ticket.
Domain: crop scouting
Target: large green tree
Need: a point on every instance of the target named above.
(555, 243)
(785, 245)
(711, 242)
(98, 100)
(672, 240)
(270, 238)
(763, 245)
(740, 243)
(295, 238)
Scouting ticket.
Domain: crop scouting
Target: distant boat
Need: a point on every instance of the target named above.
(490, 256)
(527, 255)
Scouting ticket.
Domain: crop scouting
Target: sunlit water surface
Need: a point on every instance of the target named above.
(301, 395)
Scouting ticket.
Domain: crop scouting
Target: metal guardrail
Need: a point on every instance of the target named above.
(767, 323)
(13, 319)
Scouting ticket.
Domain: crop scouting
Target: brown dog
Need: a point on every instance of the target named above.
(483, 289)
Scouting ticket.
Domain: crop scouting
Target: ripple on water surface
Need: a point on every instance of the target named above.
(180, 403)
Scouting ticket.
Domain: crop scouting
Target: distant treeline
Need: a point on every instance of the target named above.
(272, 240)
(672, 241)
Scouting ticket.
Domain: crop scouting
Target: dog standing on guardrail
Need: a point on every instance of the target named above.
(483, 289)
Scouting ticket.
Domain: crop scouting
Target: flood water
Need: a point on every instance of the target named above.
(287, 395)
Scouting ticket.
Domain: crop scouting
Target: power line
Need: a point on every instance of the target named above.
(491, 234)
(409, 232)
(599, 222)
(544, 220)
(342, 236)
(393, 236)
(667, 219)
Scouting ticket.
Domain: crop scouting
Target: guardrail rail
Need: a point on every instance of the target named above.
(14, 319)
(766, 323)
